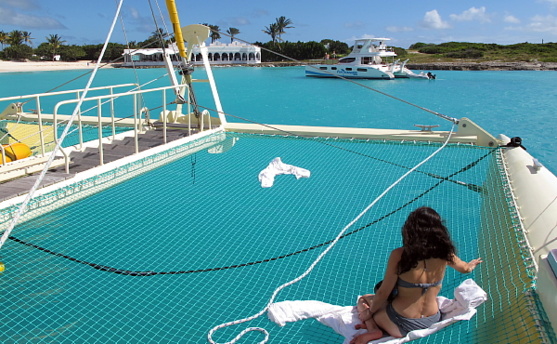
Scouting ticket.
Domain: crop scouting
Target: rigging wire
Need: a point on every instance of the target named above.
(23, 206)
(317, 260)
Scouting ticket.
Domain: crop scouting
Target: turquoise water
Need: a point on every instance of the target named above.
(514, 103)
(208, 211)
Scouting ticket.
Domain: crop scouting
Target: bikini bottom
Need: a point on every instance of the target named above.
(406, 325)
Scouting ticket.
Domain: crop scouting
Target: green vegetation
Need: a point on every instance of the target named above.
(232, 31)
(18, 45)
(545, 52)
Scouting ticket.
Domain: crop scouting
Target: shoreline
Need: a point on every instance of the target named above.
(457, 66)
(47, 66)
(44, 66)
(488, 65)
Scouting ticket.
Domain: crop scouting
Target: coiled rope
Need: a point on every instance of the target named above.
(317, 260)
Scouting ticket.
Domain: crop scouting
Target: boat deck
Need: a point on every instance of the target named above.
(88, 159)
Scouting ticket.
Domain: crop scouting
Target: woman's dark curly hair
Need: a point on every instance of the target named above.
(424, 236)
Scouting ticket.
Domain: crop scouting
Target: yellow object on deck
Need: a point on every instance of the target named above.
(16, 151)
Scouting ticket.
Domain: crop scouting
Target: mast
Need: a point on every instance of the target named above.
(186, 68)
(194, 34)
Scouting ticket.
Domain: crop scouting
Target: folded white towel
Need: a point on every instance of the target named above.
(277, 167)
(342, 319)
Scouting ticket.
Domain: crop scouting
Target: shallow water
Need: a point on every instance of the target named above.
(514, 103)
(208, 212)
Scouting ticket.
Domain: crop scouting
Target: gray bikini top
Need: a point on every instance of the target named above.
(424, 286)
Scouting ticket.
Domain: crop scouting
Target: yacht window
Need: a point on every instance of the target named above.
(348, 68)
(347, 60)
(362, 70)
(367, 60)
(323, 68)
(333, 68)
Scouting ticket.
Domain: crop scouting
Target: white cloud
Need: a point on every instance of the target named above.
(22, 4)
(543, 24)
(399, 29)
(10, 17)
(240, 21)
(552, 3)
(432, 20)
(511, 19)
(472, 14)
(135, 13)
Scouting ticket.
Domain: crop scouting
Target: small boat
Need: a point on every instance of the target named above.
(368, 60)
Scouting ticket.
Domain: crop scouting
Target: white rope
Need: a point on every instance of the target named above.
(24, 204)
(312, 266)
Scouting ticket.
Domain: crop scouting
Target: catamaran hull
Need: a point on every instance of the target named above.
(349, 72)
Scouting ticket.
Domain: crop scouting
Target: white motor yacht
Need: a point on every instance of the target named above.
(368, 60)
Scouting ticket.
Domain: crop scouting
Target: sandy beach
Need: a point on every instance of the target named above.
(43, 66)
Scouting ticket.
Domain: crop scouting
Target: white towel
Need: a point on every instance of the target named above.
(342, 319)
(276, 167)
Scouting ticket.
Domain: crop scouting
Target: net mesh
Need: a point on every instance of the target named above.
(174, 251)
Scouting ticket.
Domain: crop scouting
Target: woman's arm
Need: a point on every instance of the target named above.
(464, 267)
(389, 281)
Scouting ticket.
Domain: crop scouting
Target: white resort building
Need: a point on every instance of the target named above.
(218, 53)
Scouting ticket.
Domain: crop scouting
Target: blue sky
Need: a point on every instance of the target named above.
(405, 21)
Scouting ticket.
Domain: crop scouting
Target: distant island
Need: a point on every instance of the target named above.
(485, 65)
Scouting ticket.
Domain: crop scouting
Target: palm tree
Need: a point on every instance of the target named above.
(214, 33)
(272, 30)
(158, 36)
(3, 38)
(283, 23)
(232, 32)
(55, 42)
(26, 35)
(15, 37)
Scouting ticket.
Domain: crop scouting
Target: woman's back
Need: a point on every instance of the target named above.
(418, 289)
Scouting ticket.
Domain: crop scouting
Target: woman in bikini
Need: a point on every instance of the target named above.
(407, 297)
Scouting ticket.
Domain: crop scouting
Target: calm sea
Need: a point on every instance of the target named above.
(514, 103)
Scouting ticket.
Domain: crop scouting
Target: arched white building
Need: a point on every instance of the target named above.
(218, 53)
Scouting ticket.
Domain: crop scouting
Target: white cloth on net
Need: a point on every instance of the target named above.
(277, 167)
(342, 319)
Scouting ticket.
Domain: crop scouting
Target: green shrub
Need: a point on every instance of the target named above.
(465, 54)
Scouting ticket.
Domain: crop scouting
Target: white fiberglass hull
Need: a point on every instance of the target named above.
(349, 71)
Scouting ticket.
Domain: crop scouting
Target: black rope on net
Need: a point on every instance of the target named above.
(181, 272)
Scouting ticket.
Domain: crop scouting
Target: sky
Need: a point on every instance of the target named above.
(404, 21)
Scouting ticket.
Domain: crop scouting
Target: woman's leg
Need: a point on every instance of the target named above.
(382, 319)
(373, 332)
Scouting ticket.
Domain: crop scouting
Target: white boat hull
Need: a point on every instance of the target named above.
(349, 71)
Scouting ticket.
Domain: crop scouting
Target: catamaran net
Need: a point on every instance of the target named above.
(176, 250)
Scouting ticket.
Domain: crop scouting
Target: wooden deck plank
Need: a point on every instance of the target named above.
(88, 159)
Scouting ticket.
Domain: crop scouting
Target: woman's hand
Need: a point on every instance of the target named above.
(364, 315)
(464, 267)
(473, 263)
